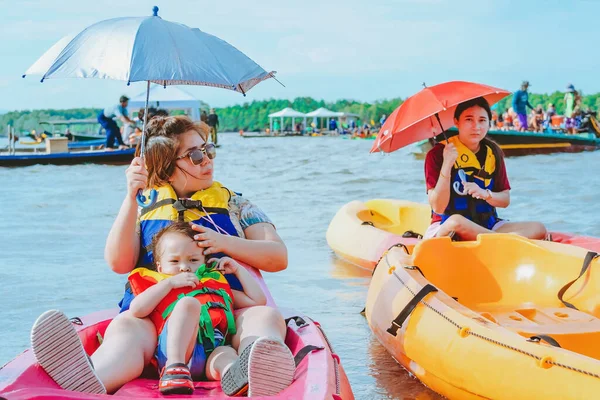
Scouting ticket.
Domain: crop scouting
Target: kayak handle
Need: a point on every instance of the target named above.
(463, 179)
(141, 199)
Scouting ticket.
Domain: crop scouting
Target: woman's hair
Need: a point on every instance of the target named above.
(162, 143)
(183, 228)
(481, 102)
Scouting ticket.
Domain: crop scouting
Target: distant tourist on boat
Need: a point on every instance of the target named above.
(537, 119)
(106, 120)
(520, 103)
(213, 122)
(204, 116)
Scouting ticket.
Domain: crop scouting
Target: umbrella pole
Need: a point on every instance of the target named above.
(441, 127)
(141, 199)
(142, 148)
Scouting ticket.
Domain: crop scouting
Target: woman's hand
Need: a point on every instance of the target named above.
(212, 241)
(226, 265)
(137, 177)
(475, 191)
(183, 279)
(450, 156)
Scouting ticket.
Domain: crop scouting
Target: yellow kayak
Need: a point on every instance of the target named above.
(361, 232)
(492, 318)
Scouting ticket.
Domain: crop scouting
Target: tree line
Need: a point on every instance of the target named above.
(254, 116)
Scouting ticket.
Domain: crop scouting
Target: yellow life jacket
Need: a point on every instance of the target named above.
(203, 208)
(477, 210)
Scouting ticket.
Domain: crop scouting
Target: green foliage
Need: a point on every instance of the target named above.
(255, 115)
(28, 120)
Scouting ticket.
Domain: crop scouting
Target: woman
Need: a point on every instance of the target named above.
(179, 165)
(469, 208)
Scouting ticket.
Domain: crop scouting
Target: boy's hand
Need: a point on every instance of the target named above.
(226, 265)
(183, 279)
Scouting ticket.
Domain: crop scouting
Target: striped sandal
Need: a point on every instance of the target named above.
(59, 351)
(176, 379)
(264, 368)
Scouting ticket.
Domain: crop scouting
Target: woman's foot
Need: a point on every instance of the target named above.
(264, 368)
(59, 351)
(176, 379)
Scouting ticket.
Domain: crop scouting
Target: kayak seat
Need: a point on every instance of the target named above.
(397, 216)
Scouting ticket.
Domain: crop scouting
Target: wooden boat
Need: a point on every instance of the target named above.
(68, 158)
(515, 143)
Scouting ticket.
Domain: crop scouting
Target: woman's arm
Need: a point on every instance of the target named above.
(499, 199)
(123, 243)
(439, 196)
(262, 249)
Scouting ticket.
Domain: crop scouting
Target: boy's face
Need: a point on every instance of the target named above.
(178, 253)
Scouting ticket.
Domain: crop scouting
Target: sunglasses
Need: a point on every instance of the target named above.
(197, 155)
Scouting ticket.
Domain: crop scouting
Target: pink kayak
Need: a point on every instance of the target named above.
(318, 376)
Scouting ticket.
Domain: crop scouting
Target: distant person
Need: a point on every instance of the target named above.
(537, 119)
(332, 125)
(382, 120)
(204, 116)
(570, 101)
(106, 120)
(213, 122)
(520, 104)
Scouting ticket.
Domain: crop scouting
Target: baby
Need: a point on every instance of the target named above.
(191, 305)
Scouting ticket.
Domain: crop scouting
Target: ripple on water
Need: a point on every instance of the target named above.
(54, 234)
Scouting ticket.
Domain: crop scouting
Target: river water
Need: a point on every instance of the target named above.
(54, 221)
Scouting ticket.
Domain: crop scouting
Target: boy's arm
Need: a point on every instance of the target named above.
(252, 294)
(144, 303)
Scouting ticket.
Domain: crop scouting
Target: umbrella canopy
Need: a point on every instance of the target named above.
(287, 112)
(430, 112)
(152, 49)
(169, 98)
(322, 113)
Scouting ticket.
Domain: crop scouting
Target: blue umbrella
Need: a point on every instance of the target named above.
(151, 49)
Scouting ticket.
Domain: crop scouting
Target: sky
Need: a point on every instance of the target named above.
(365, 50)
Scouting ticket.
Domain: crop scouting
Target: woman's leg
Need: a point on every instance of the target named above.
(129, 344)
(260, 344)
(254, 322)
(183, 330)
(463, 227)
(531, 230)
(251, 323)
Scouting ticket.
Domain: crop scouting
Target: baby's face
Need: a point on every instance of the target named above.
(178, 253)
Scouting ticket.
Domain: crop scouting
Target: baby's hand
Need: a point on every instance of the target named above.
(183, 279)
(226, 265)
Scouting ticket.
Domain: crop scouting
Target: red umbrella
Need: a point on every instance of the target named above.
(429, 112)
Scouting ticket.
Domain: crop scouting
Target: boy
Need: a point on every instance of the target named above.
(191, 305)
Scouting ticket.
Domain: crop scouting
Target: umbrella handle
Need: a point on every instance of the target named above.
(141, 199)
(463, 179)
